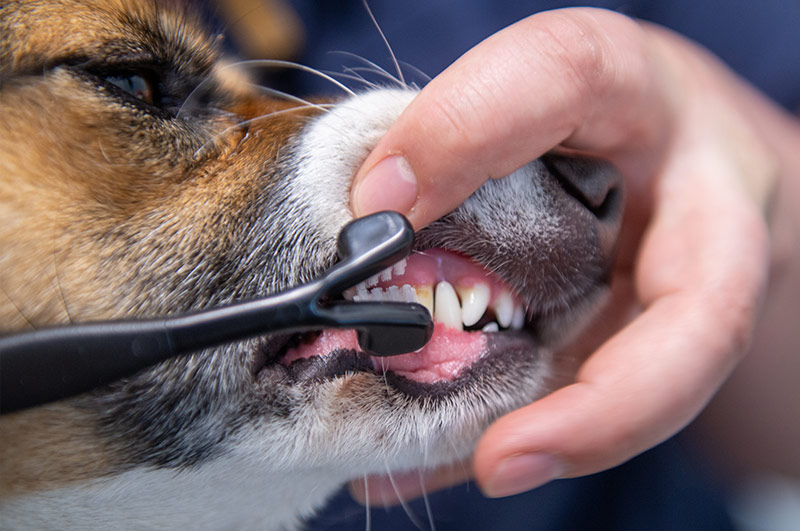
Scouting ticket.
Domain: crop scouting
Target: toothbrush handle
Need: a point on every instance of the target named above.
(51, 364)
(55, 363)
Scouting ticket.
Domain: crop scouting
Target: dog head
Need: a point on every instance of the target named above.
(143, 174)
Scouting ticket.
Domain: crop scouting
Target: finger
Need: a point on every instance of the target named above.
(701, 271)
(554, 77)
(399, 487)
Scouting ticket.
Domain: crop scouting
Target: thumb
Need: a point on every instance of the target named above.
(550, 78)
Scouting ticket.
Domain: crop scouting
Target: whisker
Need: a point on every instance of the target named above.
(266, 63)
(386, 42)
(383, 374)
(58, 280)
(427, 500)
(287, 96)
(354, 76)
(368, 516)
(207, 143)
(377, 69)
(200, 86)
(403, 503)
(17, 308)
(277, 63)
(459, 464)
(381, 73)
(418, 72)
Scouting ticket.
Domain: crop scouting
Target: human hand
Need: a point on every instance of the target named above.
(699, 152)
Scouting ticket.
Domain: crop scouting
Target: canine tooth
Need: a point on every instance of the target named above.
(474, 301)
(407, 293)
(385, 275)
(400, 267)
(504, 309)
(491, 327)
(447, 309)
(424, 296)
(373, 281)
(518, 321)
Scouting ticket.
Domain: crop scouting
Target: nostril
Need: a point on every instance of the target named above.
(593, 182)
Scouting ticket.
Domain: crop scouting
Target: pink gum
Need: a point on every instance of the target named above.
(429, 267)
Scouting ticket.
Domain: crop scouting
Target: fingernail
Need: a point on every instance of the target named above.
(389, 185)
(520, 473)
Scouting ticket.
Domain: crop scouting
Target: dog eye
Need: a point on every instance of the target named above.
(134, 84)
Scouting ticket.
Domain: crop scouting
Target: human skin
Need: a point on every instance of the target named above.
(703, 156)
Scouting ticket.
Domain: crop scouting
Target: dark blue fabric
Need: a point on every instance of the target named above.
(665, 489)
(761, 40)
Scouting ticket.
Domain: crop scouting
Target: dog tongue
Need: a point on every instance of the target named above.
(444, 358)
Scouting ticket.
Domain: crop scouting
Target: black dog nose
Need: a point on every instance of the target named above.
(593, 182)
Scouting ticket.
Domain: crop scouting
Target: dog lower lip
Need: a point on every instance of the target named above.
(505, 351)
(338, 358)
(337, 363)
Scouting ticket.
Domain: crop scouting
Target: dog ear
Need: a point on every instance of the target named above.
(262, 29)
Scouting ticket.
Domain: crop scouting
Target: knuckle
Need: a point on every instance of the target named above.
(588, 48)
(460, 125)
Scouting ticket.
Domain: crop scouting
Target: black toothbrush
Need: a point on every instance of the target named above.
(55, 363)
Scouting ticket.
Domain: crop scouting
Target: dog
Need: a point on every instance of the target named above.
(142, 174)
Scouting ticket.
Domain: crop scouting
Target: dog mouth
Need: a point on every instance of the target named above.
(477, 316)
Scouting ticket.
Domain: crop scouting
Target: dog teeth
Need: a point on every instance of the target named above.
(447, 309)
(518, 321)
(456, 308)
(504, 309)
(425, 297)
(491, 327)
(474, 302)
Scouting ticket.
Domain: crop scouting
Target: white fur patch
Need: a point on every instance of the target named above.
(332, 149)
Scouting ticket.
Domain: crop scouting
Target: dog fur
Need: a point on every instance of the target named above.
(126, 192)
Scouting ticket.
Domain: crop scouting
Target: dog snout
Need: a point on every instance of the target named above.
(597, 185)
(593, 182)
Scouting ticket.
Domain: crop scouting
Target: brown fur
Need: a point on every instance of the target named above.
(28, 442)
(82, 174)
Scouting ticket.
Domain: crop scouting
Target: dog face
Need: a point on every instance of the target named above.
(143, 174)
